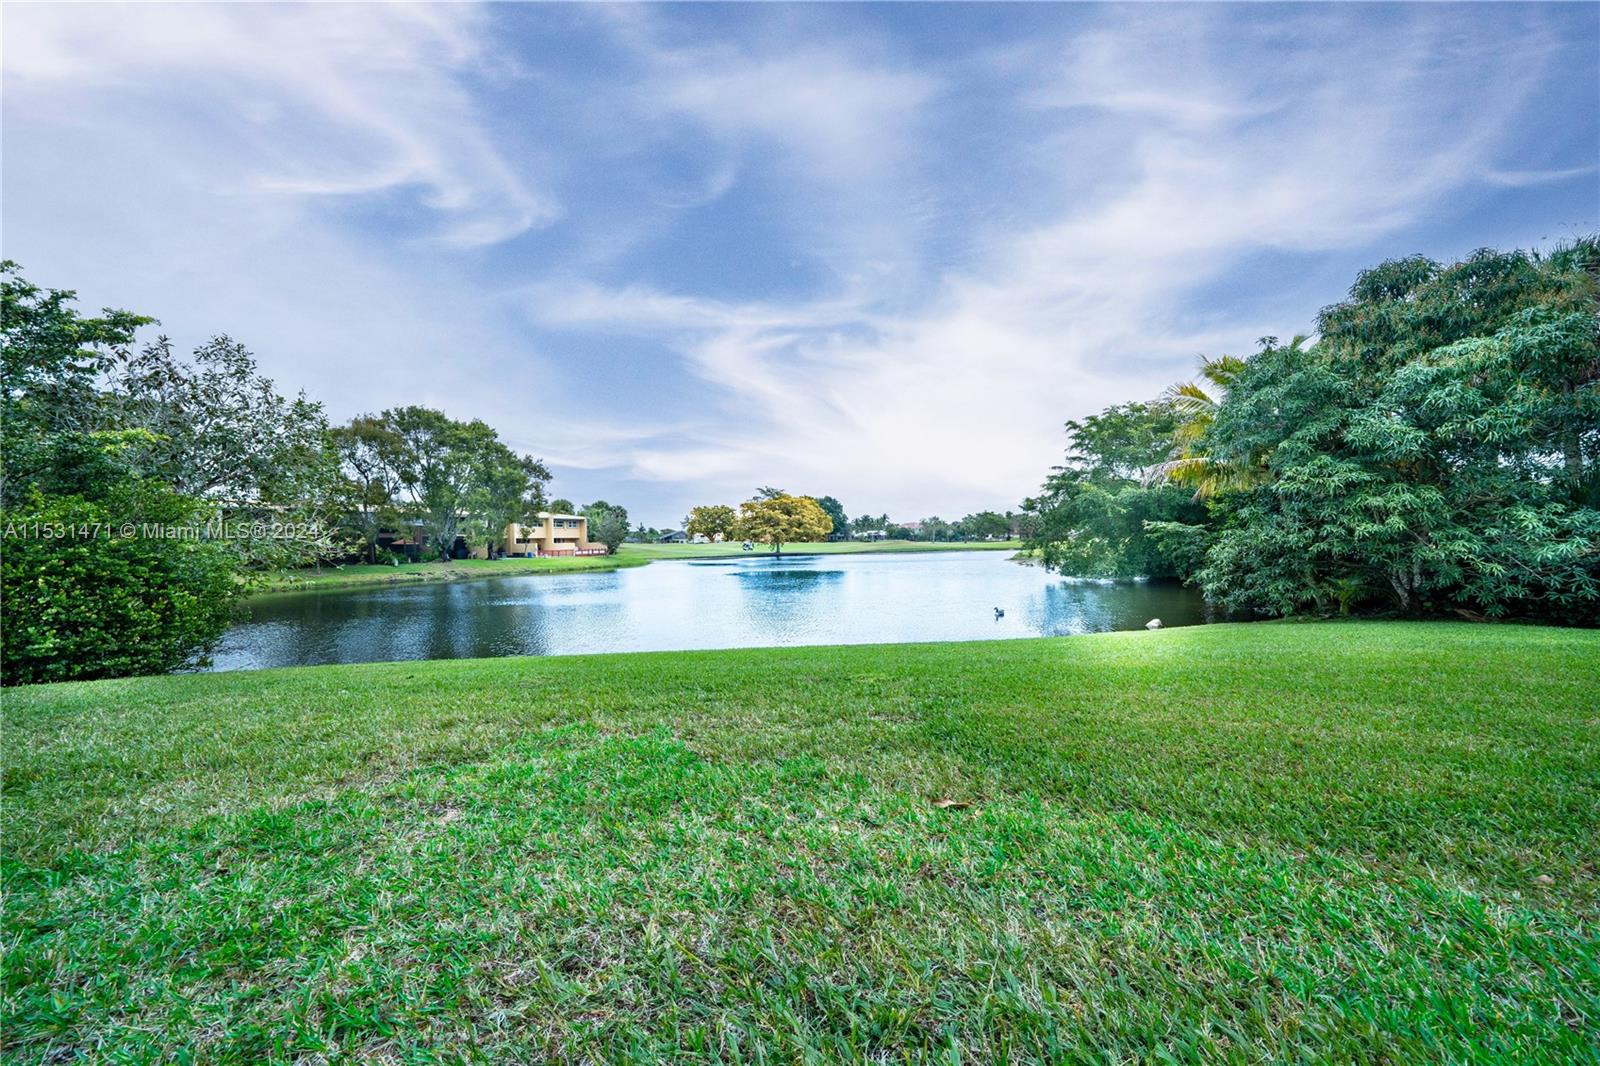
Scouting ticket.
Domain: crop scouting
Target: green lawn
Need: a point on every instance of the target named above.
(1363, 842)
(361, 574)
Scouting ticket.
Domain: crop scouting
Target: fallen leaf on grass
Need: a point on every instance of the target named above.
(951, 805)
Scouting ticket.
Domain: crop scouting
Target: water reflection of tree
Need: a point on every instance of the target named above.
(778, 602)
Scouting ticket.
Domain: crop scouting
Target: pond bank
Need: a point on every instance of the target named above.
(362, 574)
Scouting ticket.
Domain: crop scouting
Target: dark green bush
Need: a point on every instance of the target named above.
(83, 600)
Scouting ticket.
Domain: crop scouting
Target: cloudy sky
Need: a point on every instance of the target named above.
(881, 252)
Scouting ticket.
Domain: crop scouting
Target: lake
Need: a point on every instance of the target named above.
(746, 602)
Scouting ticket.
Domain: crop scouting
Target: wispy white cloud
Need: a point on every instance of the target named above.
(1516, 179)
(316, 100)
(1293, 150)
(802, 246)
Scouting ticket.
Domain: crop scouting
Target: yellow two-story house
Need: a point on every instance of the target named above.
(550, 534)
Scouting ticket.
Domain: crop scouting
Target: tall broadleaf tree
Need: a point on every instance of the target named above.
(509, 488)
(835, 512)
(1093, 515)
(781, 519)
(369, 488)
(438, 463)
(52, 360)
(608, 524)
(711, 521)
(86, 593)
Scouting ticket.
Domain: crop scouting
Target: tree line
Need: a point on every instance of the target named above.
(141, 487)
(715, 521)
(1435, 449)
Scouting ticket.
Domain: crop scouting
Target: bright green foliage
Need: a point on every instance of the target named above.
(776, 518)
(835, 512)
(1341, 843)
(608, 524)
(1437, 449)
(85, 598)
(711, 519)
(51, 359)
(1093, 512)
(88, 588)
(1195, 408)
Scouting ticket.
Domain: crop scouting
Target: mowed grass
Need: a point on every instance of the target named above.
(1355, 842)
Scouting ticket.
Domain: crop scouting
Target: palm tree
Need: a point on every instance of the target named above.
(1196, 409)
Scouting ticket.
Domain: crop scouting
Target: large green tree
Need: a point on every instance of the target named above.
(219, 431)
(369, 489)
(91, 583)
(835, 512)
(709, 520)
(1436, 449)
(439, 464)
(1093, 513)
(984, 525)
(52, 360)
(508, 488)
(782, 519)
(608, 524)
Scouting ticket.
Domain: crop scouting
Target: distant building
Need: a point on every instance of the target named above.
(547, 534)
(677, 536)
(869, 534)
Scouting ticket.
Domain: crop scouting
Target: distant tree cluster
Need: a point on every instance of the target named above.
(415, 467)
(140, 487)
(1437, 448)
(772, 517)
(715, 521)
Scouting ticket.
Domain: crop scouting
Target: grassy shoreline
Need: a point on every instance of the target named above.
(1338, 842)
(360, 574)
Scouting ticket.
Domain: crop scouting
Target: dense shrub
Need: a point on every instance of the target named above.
(81, 600)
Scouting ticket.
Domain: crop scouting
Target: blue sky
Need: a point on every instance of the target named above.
(880, 251)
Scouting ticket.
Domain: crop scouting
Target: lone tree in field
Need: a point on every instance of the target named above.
(777, 520)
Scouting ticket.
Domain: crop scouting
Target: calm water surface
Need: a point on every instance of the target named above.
(723, 603)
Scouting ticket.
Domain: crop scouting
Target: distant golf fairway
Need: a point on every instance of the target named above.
(1315, 842)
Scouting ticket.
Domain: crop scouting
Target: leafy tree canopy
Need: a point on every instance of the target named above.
(608, 524)
(835, 512)
(777, 520)
(711, 519)
(1437, 448)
